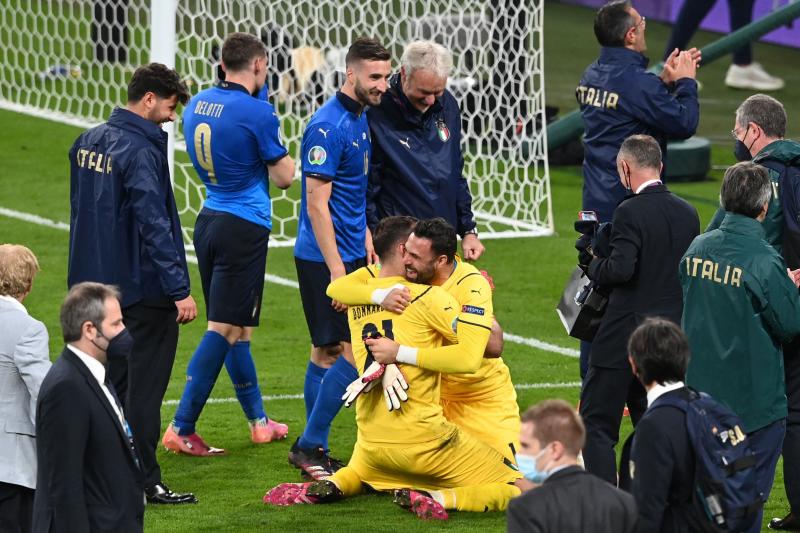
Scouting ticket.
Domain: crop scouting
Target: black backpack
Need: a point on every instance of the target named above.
(726, 496)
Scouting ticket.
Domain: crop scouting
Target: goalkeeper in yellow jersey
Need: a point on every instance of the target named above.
(483, 403)
(429, 462)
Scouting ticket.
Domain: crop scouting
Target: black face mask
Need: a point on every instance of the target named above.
(119, 347)
(741, 152)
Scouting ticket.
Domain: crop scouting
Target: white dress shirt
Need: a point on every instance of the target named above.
(99, 372)
(646, 184)
(657, 390)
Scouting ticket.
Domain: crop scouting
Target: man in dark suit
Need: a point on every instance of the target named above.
(89, 476)
(569, 498)
(652, 228)
(662, 462)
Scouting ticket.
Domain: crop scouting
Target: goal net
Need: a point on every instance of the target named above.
(70, 61)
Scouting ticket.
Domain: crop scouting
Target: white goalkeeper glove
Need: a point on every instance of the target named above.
(394, 387)
(364, 383)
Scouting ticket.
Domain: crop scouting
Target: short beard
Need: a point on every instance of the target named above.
(425, 277)
(362, 96)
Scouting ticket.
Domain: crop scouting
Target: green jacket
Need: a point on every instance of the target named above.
(773, 223)
(739, 306)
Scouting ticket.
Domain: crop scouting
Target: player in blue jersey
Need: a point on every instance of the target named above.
(234, 141)
(333, 240)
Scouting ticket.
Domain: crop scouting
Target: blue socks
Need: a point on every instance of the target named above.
(201, 375)
(314, 375)
(242, 370)
(327, 404)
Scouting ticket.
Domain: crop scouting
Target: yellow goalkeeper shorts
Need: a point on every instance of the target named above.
(458, 460)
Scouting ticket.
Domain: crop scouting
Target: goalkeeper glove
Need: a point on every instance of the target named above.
(394, 387)
(365, 383)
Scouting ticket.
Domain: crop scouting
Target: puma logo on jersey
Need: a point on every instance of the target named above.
(448, 308)
(405, 143)
(355, 143)
(324, 132)
(476, 291)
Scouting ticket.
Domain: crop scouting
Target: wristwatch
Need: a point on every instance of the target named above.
(473, 231)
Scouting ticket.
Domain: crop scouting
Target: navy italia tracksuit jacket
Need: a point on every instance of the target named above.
(416, 166)
(619, 98)
(124, 225)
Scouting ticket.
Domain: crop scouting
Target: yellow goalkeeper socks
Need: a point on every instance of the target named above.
(347, 481)
(478, 498)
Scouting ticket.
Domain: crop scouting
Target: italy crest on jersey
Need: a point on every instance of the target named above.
(444, 133)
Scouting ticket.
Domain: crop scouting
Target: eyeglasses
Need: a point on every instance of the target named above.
(735, 132)
(642, 23)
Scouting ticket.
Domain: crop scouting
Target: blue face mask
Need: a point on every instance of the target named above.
(527, 466)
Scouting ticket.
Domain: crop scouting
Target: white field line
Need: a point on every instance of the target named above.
(519, 386)
(271, 278)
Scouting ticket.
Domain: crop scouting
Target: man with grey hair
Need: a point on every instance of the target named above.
(759, 130)
(90, 476)
(739, 306)
(417, 166)
(651, 230)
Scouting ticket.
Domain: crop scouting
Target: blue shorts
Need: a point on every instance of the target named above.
(232, 256)
(326, 325)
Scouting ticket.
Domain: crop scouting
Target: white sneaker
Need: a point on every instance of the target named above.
(753, 76)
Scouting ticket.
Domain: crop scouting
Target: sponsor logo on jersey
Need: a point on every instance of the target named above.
(471, 309)
(444, 133)
(317, 155)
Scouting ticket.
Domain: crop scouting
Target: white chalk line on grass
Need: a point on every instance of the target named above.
(518, 386)
(271, 278)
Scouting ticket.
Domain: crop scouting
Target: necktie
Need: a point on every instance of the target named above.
(125, 425)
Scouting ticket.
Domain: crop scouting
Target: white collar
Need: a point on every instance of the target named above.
(646, 184)
(14, 303)
(97, 368)
(658, 389)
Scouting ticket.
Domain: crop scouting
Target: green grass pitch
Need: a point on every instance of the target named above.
(529, 274)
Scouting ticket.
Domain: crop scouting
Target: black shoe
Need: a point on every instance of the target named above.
(788, 523)
(324, 491)
(160, 493)
(314, 463)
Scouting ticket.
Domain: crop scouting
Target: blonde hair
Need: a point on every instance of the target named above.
(18, 267)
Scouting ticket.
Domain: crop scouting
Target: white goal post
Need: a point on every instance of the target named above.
(70, 60)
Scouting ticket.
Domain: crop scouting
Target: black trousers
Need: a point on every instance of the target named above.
(791, 442)
(692, 14)
(142, 381)
(604, 394)
(16, 508)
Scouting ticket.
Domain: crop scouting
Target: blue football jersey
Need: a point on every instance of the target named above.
(231, 137)
(336, 147)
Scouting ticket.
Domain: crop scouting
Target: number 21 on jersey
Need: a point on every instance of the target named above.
(371, 331)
